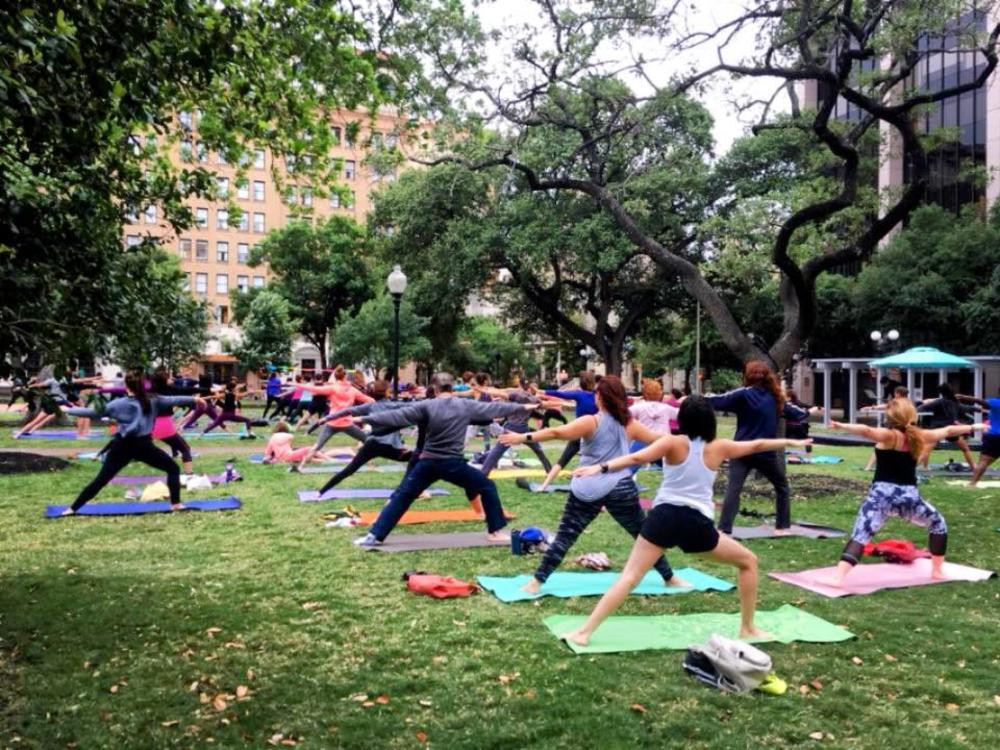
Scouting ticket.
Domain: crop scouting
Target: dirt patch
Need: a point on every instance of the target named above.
(803, 487)
(24, 463)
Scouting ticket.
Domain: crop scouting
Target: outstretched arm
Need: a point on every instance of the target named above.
(647, 455)
(578, 428)
(875, 434)
(954, 430)
(740, 448)
(396, 418)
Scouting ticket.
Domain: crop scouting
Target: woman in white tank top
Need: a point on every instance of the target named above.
(682, 514)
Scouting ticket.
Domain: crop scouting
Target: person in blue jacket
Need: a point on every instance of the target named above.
(758, 406)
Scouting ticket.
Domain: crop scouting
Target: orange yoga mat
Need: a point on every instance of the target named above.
(431, 516)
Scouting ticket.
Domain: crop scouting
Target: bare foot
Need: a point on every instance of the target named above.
(834, 581)
(532, 586)
(577, 636)
(782, 532)
(677, 582)
(498, 536)
(178, 506)
(938, 575)
(68, 512)
(754, 632)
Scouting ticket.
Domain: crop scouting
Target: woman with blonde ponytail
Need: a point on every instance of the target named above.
(893, 492)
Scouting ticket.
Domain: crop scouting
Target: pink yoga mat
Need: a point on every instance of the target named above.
(867, 579)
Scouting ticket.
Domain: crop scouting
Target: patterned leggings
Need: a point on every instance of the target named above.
(623, 505)
(885, 500)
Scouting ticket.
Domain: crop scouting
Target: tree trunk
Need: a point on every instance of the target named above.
(613, 359)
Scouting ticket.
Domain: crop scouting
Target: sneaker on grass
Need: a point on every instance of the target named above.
(368, 540)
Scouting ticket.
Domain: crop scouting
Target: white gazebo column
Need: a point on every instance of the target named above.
(942, 376)
(911, 382)
(880, 395)
(977, 389)
(826, 393)
(852, 391)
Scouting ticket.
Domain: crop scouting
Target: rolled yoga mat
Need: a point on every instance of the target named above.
(801, 529)
(419, 542)
(677, 632)
(424, 515)
(61, 435)
(567, 584)
(139, 509)
(354, 493)
(867, 579)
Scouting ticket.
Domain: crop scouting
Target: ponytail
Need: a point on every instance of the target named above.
(613, 399)
(136, 383)
(901, 415)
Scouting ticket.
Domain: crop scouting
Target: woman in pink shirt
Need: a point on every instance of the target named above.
(340, 394)
(279, 447)
(652, 412)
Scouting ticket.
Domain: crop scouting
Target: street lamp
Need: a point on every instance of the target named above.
(892, 336)
(397, 285)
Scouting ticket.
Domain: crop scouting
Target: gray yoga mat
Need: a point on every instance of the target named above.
(418, 542)
(808, 530)
(334, 468)
(354, 493)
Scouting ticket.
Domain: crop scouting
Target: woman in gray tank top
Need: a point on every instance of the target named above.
(682, 511)
(604, 436)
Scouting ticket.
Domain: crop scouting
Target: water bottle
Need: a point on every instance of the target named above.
(515, 542)
(229, 471)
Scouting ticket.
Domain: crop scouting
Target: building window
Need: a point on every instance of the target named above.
(244, 225)
(334, 200)
(222, 185)
(221, 283)
(258, 281)
(222, 252)
(290, 163)
(377, 141)
(220, 158)
(242, 251)
(307, 197)
(201, 218)
(150, 214)
(184, 249)
(135, 141)
(243, 283)
(201, 251)
(222, 314)
(187, 150)
(350, 136)
(132, 240)
(258, 158)
(201, 283)
(258, 223)
(350, 169)
(258, 190)
(222, 219)
(335, 134)
(187, 282)
(391, 139)
(350, 200)
(187, 121)
(243, 190)
(201, 151)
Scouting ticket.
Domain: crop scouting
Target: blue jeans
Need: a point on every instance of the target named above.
(422, 474)
(638, 445)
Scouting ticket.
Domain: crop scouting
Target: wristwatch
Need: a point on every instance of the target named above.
(528, 438)
(604, 468)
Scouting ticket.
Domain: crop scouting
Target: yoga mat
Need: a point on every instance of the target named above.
(423, 515)
(677, 632)
(794, 460)
(59, 435)
(564, 585)
(420, 542)
(138, 509)
(195, 435)
(808, 530)
(213, 478)
(354, 493)
(867, 579)
(988, 484)
(959, 474)
(258, 458)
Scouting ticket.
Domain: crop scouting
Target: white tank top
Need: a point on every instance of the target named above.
(689, 482)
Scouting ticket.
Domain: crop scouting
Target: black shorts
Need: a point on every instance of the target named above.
(991, 446)
(680, 526)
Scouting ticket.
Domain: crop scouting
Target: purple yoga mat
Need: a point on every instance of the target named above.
(867, 579)
(312, 496)
(214, 478)
(60, 435)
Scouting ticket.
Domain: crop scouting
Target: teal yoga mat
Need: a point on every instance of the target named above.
(563, 585)
(677, 632)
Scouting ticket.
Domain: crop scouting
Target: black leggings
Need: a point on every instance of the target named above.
(370, 450)
(271, 400)
(552, 415)
(120, 453)
(571, 449)
(178, 445)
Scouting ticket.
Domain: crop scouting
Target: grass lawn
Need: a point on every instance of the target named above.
(141, 632)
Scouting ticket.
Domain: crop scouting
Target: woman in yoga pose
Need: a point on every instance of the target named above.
(894, 492)
(165, 429)
(758, 406)
(279, 447)
(603, 437)
(654, 413)
(339, 394)
(990, 451)
(135, 415)
(583, 397)
(230, 410)
(683, 510)
(946, 410)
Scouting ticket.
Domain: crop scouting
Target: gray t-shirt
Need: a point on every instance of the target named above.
(608, 442)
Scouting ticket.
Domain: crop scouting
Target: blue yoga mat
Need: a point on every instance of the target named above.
(354, 493)
(138, 509)
(196, 435)
(59, 435)
(564, 585)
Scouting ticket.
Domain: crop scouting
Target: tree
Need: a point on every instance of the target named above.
(85, 85)
(560, 79)
(319, 271)
(367, 338)
(483, 344)
(158, 322)
(267, 332)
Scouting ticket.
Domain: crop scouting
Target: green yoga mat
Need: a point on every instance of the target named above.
(563, 585)
(677, 632)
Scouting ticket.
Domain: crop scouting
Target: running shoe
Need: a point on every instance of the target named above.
(368, 540)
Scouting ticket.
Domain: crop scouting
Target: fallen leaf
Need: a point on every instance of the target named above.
(242, 691)
(358, 697)
(961, 664)
(890, 657)
(816, 685)
(251, 674)
(803, 689)
(815, 735)
(368, 704)
(458, 623)
(508, 678)
(213, 632)
(638, 708)
(951, 706)
(382, 700)
(856, 660)
(193, 687)
(312, 605)
(289, 742)
(171, 723)
(88, 665)
(219, 702)
(234, 644)
(422, 736)
(891, 696)
(104, 716)
(996, 699)
(427, 704)
(114, 689)
(204, 698)
(274, 739)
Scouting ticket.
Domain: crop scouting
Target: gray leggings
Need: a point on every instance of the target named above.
(328, 432)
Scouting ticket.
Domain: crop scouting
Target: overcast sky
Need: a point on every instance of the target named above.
(701, 14)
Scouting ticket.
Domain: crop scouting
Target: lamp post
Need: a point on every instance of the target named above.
(397, 285)
(891, 337)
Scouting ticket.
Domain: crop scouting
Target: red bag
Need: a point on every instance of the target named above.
(896, 550)
(440, 587)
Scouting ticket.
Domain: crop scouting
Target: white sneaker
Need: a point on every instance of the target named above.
(368, 540)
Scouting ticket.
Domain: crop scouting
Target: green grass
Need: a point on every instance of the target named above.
(108, 640)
